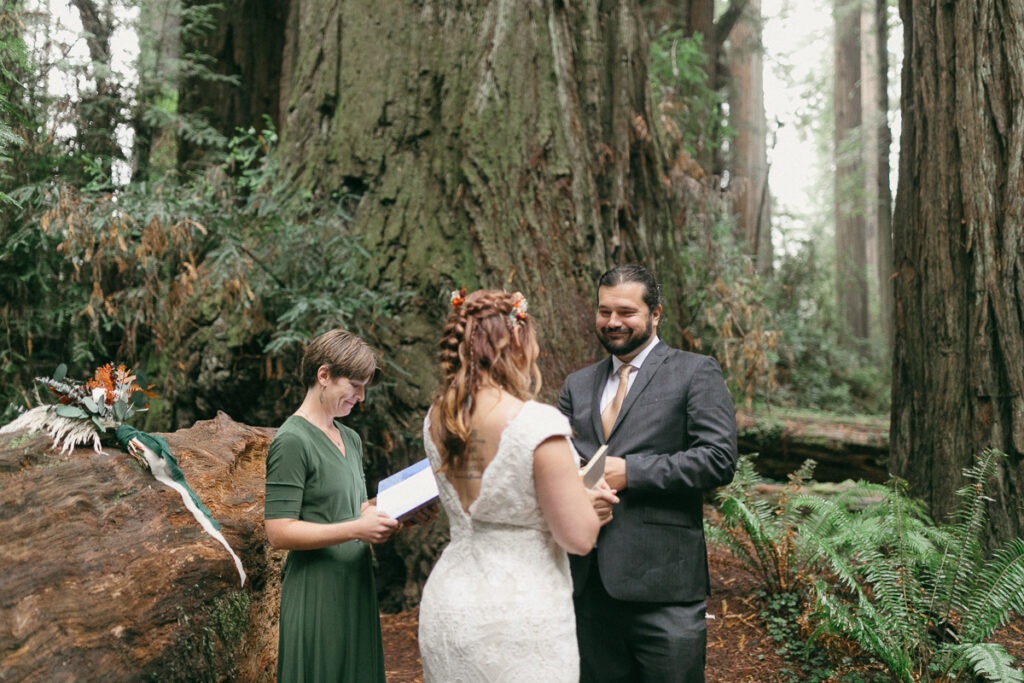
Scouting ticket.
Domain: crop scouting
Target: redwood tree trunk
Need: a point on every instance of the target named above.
(958, 376)
(851, 246)
(882, 192)
(752, 200)
(244, 83)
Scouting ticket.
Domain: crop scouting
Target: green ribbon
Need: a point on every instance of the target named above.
(125, 433)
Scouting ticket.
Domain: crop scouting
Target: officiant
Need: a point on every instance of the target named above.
(316, 508)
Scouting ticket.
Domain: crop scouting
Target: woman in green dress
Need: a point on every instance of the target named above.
(316, 508)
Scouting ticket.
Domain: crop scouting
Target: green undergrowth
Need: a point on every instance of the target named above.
(858, 583)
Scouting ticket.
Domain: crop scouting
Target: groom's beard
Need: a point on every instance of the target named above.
(627, 344)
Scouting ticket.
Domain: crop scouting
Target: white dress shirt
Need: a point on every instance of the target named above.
(612, 384)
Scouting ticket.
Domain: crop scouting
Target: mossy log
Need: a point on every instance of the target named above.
(842, 447)
(104, 575)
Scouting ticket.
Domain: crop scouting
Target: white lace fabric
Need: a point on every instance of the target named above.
(498, 604)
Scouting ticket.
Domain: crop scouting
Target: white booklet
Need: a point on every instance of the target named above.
(594, 469)
(408, 490)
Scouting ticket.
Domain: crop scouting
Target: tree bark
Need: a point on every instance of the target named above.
(851, 249)
(885, 269)
(749, 167)
(958, 373)
(244, 80)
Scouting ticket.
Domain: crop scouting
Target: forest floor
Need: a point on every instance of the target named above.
(740, 650)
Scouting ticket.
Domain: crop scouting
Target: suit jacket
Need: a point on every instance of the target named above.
(677, 431)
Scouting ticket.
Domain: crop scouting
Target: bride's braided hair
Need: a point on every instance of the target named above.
(486, 337)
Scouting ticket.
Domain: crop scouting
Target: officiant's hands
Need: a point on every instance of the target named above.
(376, 526)
(603, 497)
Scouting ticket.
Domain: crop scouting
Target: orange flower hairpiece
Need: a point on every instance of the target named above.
(458, 297)
(519, 307)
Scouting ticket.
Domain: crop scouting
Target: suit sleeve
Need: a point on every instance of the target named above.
(708, 458)
(565, 400)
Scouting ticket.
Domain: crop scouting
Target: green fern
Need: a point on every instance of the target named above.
(985, 659)
(760, 533)
(917, 598)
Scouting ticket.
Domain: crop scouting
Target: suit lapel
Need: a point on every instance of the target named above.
(600, 378)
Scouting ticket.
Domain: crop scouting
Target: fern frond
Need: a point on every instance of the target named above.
(758, 543)
(956, 571)
(868, 628)
(989, 660)
(998, 592)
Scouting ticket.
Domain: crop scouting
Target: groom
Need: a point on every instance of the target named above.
(670, 426)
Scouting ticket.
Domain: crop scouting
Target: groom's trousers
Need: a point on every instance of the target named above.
(638, 642)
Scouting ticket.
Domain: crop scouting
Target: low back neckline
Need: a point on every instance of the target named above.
(466, 510)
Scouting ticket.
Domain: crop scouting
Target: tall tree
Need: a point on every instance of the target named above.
(958, 228)
(877, 140)
(697, 17)
(99, 108)
(848, 201)
(159, 70)
(237, 80)
(751, 198)
(881, 210)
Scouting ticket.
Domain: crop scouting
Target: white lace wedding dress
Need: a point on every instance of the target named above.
(498, 604)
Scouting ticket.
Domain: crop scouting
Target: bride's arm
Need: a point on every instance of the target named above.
(563, 498)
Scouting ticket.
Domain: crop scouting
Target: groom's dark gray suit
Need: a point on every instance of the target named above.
(677, 432)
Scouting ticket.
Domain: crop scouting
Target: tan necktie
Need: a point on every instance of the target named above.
(612, 411)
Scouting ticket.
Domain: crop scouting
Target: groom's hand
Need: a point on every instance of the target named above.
(615, 472)
(602, 497)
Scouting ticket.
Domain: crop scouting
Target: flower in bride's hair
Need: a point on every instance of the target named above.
(519, 307)
(458, 297)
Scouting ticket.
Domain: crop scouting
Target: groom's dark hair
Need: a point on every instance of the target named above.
(634, 272)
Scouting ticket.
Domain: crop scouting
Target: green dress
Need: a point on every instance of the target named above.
(330, 621)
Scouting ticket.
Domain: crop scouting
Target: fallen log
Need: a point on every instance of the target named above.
(843, 448)
(104, 575)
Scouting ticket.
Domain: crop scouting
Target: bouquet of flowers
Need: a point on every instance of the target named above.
(84, 410)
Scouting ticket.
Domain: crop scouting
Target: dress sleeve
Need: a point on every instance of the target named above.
(286, 477)
(546, 421)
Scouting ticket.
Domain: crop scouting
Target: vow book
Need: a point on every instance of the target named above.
(594, 469)
(406, 491)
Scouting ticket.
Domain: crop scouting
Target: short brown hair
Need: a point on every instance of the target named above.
(344, 354)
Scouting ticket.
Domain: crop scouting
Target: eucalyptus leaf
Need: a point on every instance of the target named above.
(71, 411)
(90, 404)
(99, 425)
(61, 372)
(120, 410)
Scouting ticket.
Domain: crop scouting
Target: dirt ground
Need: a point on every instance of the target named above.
(739, 648)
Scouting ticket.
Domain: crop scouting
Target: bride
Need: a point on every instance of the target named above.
(498, 604)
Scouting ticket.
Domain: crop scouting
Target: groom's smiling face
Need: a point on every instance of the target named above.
(624, 322)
